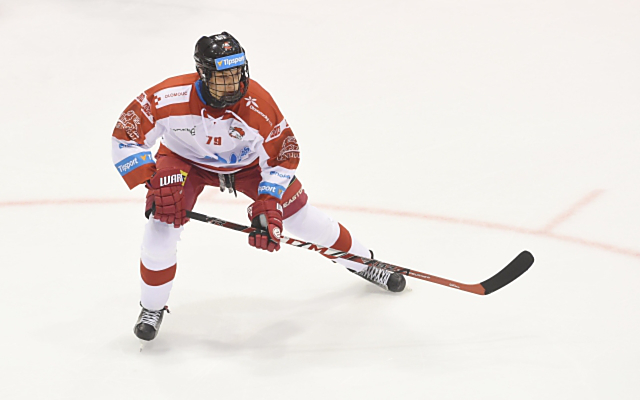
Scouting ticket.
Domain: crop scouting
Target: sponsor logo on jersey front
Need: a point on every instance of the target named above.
(133, 162)
(232, 158)
(192, 131)
(173, 95)
(253, 105)
(271, 189)
(231, 61)
(252, 102)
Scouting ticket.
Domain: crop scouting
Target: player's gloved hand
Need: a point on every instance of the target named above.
(266, 216)
(166, 195)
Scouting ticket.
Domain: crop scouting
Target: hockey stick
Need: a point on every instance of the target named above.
(508, 274)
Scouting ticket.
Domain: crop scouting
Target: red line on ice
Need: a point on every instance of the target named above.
(571, 211)
(545, 232)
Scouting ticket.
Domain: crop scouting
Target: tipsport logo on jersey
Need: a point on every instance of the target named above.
(133, 162)
(227, 62)
(271, 188)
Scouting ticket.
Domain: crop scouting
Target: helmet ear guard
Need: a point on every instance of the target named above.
(219, 53)
(203, 76)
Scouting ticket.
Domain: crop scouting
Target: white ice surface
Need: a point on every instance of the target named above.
(523, 125)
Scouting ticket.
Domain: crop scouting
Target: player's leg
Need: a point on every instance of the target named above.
(158, 256)
(311, 224)
(158, 263)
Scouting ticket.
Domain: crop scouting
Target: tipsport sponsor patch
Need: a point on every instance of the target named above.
(135, 161)
(271, 189)
(231, 61)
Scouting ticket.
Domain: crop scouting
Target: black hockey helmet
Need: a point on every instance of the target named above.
(214, 55)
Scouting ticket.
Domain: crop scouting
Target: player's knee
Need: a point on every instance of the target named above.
(160, 240)
(312, 225)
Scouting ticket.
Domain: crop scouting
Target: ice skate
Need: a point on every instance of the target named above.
(391, 281)
(388, 280)
(148, 323)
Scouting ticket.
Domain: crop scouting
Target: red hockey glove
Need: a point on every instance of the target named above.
(266, 216)
(166, 192)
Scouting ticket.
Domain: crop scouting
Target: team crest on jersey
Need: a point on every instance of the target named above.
(290, 149)
(236, 133)
(129, 122)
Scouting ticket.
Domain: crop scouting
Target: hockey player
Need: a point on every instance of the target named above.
(218, 128)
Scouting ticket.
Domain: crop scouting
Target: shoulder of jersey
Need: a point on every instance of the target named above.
(260, 94)
(258, 107)
(172, 96)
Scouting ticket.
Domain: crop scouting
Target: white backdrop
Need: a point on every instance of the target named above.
(448, 136)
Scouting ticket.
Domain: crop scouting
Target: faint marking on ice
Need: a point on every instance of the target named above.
(571, 211)
(545, 232)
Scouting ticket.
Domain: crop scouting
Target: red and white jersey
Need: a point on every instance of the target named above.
(251, 132)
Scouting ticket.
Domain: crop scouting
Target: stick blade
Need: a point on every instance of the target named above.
(510, 273)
